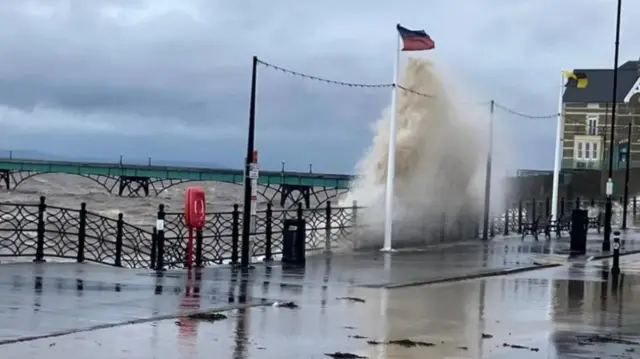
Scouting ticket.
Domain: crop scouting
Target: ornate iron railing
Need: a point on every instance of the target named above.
(41, 231)
(515, 214)
(220, 237)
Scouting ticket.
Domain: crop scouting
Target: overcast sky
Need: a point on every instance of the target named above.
(170, 78)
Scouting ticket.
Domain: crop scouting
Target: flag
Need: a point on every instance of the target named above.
(415, 40)
(581, 80)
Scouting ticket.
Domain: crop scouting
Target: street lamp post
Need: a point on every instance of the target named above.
(246, 210)
(606, 244)
(487, 181)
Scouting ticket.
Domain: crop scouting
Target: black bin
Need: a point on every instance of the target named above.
(294, 242)
(579, 227)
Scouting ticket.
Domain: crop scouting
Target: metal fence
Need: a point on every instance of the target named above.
(516, 214)
(40, 231)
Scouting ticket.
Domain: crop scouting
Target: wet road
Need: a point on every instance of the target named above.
(563, 312)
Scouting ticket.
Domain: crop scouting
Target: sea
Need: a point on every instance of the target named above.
(70, 191)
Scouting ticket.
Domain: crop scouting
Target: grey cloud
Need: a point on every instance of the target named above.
(189, 61)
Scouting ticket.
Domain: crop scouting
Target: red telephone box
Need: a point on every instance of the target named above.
(195, 216)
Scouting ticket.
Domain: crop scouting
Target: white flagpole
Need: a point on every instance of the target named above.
(558, 155)
(391, 157)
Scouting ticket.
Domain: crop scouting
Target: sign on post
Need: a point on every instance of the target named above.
(254, 172)
(195, 216)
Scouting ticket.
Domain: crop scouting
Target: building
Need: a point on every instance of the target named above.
(587, 114)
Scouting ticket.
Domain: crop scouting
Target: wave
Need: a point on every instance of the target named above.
(441, 149)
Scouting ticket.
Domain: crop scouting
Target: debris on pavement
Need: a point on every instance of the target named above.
(341, 355)
(352, 299)
(207, 316)
(594, 339)
(407, 343)
(517, 346)
(357, 336)
(290, 305)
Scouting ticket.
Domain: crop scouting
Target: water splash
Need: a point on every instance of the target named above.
(440, 158)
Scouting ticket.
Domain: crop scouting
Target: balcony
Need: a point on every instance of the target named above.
(582, 164)
(596, 165)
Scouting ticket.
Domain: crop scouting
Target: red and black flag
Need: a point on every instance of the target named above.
(415, 40)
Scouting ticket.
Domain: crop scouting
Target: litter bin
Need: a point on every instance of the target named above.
(579, 227)
(294, 242)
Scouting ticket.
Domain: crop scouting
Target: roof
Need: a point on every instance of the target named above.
(599, 88)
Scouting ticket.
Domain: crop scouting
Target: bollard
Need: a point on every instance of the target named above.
(615, 267)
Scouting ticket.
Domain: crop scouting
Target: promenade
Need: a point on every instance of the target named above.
(350, 303)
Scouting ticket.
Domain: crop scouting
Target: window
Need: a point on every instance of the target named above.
(592, 125)
(593, 105)
(579, 153)
(586, 150)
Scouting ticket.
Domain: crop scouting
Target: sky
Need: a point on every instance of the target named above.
(170, 79)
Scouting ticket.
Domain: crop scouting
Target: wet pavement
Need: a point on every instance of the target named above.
(563, 312)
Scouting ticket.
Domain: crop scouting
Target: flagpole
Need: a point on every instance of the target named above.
(391, 157)
(558, 155)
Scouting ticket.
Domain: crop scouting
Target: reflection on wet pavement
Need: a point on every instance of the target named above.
(574, 311)
(569, 312)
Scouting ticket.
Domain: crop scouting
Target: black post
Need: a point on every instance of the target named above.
(82, 232)
(487, 181)
(154, 248)
(506, 219)
(547, 207)
(615, 267)
(268, 233)
(199, 260)
(246, 210)
(160, 237)
(606, 244)
(235, 233)
(625, 202)
(42, 209)
(327, 227)
(119, 232)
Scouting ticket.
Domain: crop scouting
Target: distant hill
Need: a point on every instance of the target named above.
(40, 155)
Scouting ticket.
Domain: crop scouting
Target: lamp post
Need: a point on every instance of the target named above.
(246, 210)
(487, 181)
(606, 244)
